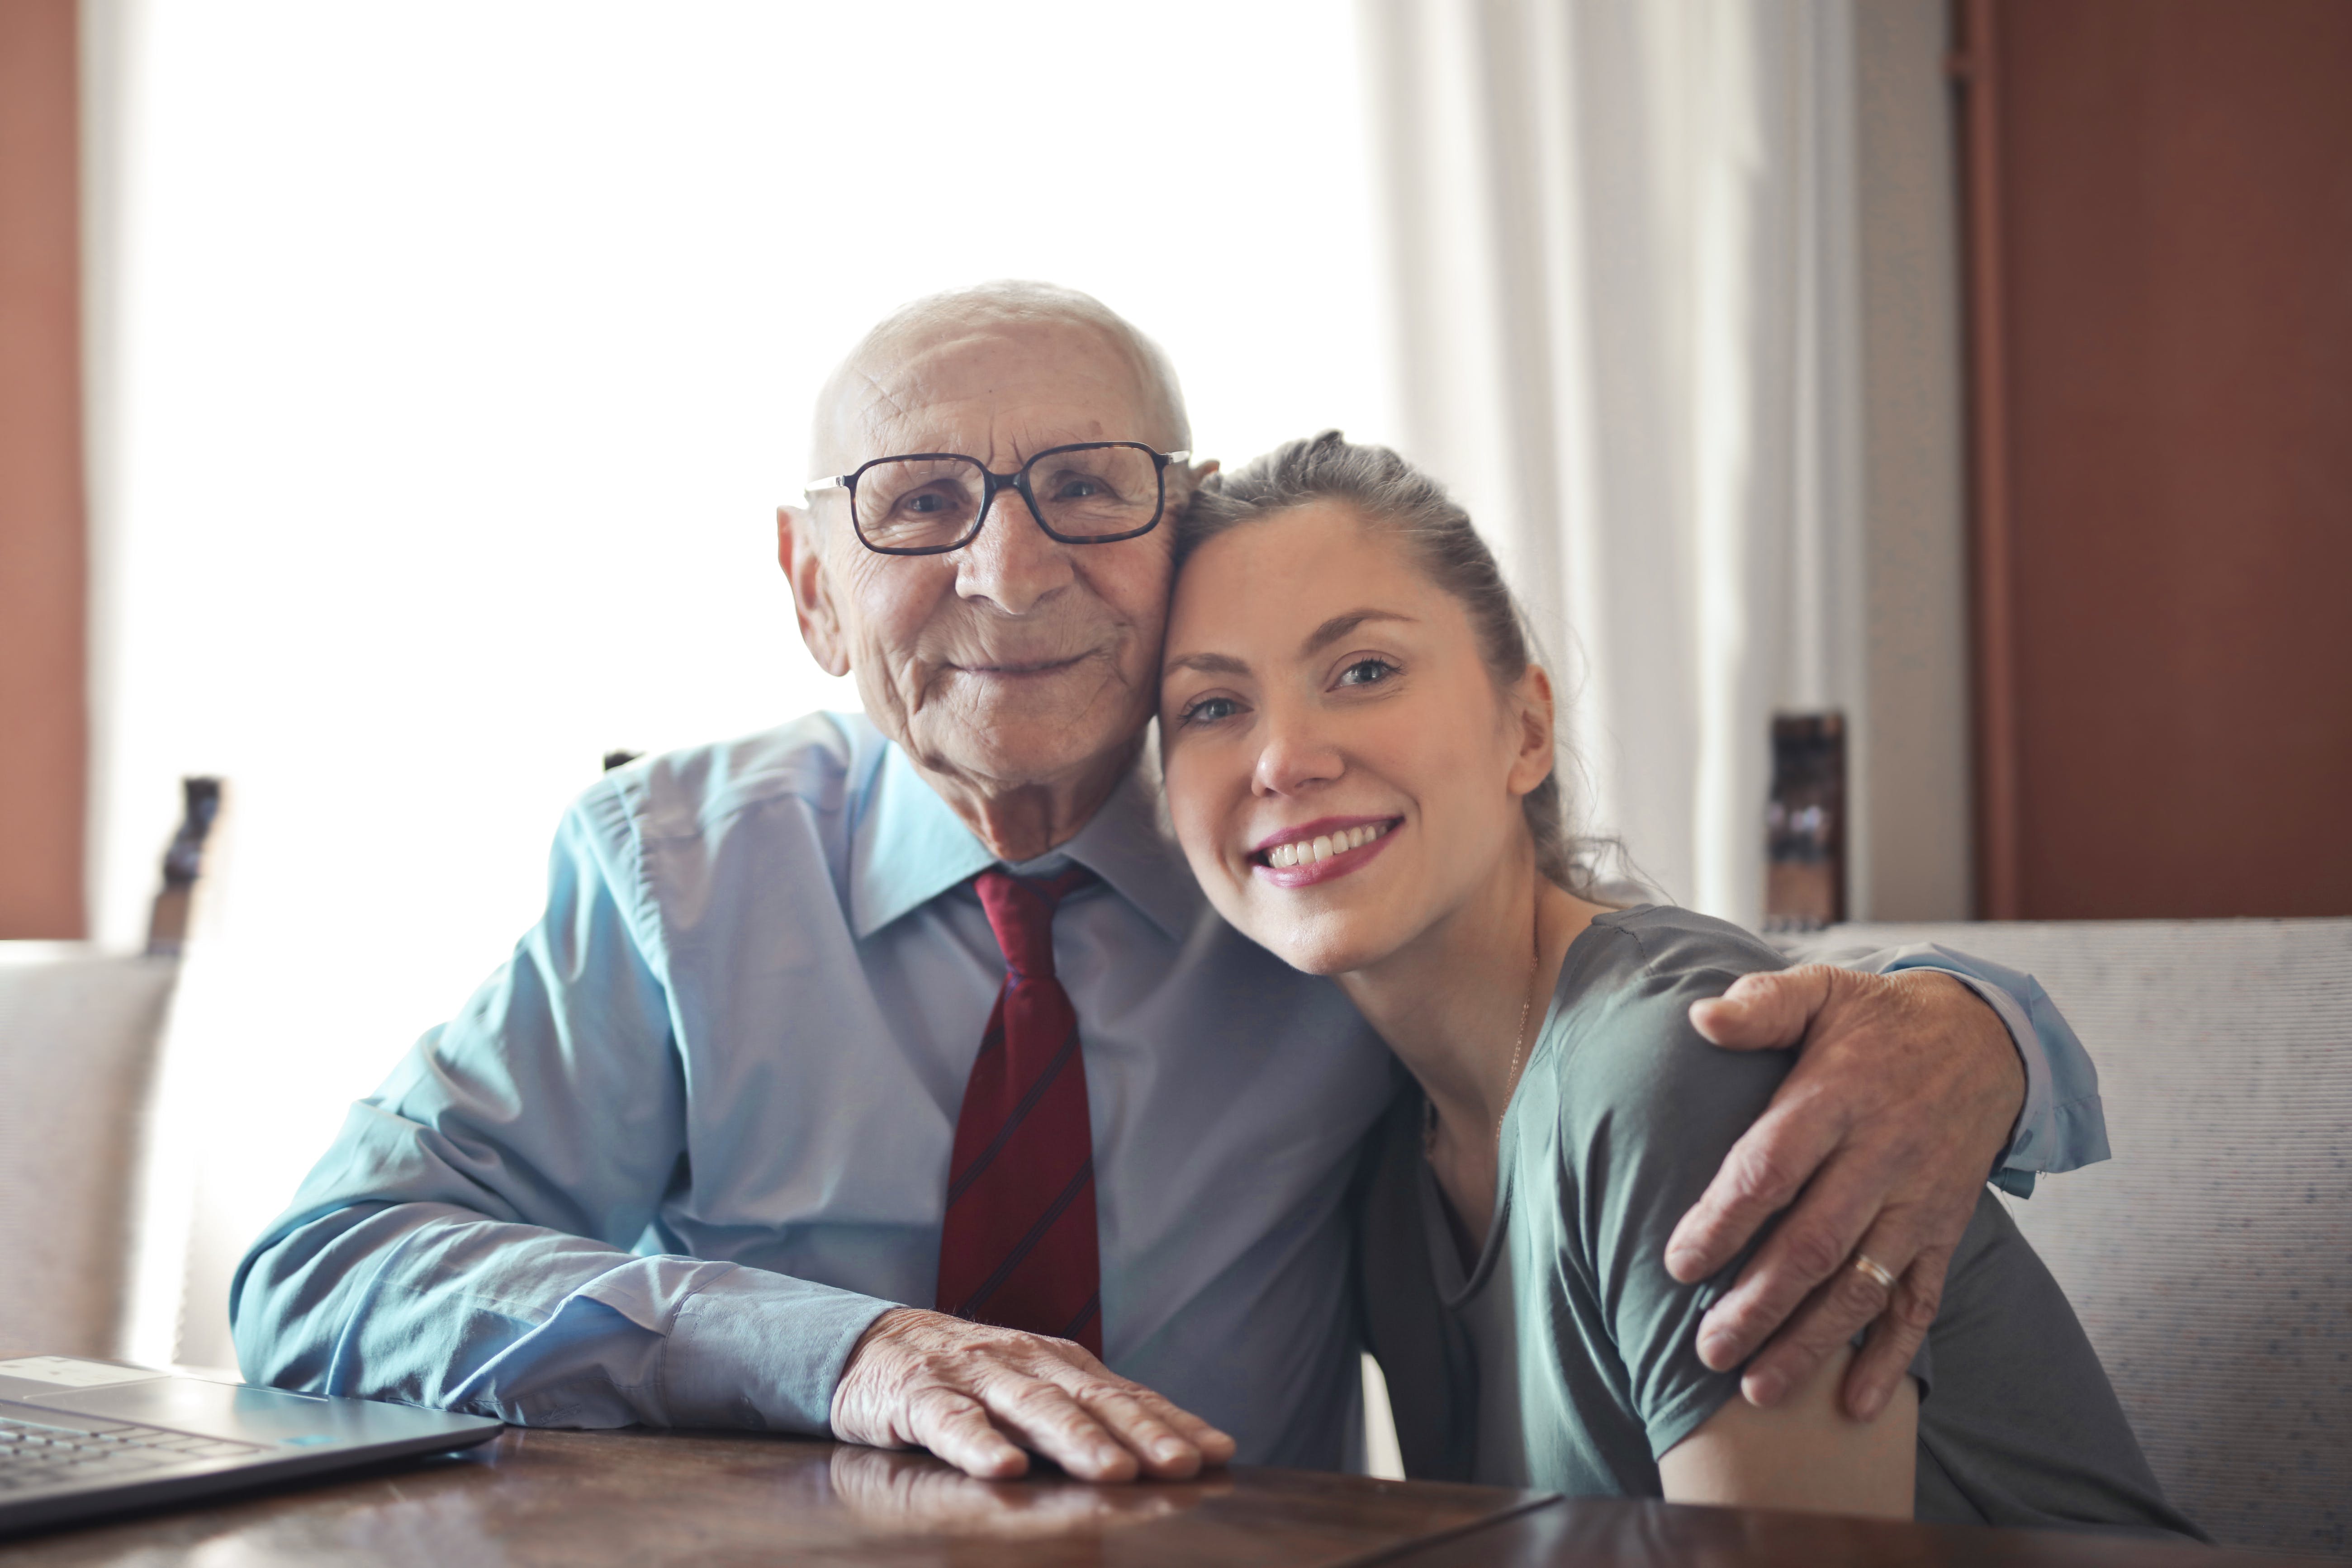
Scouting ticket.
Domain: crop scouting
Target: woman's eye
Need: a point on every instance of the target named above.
(1367, 672)
(1209, 711)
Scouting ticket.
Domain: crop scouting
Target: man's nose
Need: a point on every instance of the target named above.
(1012, 563)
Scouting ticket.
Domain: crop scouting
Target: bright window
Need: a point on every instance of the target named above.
(465, 350)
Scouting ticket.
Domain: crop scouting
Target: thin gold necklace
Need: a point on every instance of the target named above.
(1518, 1047)
(1527, 1004)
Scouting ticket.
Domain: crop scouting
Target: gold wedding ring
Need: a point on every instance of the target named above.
(1864, 1263)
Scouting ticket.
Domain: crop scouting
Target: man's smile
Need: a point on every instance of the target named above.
(1010, 671)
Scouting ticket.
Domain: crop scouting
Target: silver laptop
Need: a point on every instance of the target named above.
(82, 1439)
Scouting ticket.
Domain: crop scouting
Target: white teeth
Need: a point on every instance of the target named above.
(1309, 852)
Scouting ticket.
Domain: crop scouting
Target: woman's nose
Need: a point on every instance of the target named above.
(1297, 758)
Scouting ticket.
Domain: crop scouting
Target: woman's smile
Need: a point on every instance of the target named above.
(1320, 850)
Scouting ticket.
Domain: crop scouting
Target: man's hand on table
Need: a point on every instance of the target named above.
(1906, 1088)
(977, 1396)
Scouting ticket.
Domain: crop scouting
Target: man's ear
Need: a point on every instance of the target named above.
(800, 551)
(1185, 483)
(1537, 734)
(1195, 476)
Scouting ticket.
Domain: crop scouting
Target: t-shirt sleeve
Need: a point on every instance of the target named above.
(1648, 1110)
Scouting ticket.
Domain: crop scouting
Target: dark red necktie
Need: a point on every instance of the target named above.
(1018, 1248)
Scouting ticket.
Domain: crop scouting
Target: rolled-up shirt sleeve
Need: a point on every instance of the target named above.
(2062, 1126)
(477, 1236)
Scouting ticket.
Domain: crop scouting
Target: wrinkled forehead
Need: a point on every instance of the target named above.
(998, 391)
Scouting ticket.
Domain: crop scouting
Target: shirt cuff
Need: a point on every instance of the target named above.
(2062, 1125)
(2033, 1141)
(2035, 1132)
(763, 1351)
(2057, 1130)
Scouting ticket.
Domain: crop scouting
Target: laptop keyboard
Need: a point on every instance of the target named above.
(74, 1449)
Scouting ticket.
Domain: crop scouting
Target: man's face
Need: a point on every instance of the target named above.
(1013, 660)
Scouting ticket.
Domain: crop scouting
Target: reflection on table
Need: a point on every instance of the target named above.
(559, 1500)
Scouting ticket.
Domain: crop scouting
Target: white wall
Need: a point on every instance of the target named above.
(1914, 766)
(454, 355)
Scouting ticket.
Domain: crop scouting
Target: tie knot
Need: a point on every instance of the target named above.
(1020, 913)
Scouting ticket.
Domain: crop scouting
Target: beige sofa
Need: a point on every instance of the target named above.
(2212, 1259)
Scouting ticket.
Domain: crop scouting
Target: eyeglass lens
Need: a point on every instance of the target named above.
(1086, 492)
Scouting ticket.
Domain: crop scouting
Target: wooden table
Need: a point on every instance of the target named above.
(566, 1499)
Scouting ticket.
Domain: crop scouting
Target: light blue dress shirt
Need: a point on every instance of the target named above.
(673, 1158)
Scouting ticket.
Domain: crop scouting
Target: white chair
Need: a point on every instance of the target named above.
(77, 1048)
(2211, 1260)
(81, 1038)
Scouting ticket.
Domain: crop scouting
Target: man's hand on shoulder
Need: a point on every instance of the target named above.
(977, 1396)
(1906, 1088)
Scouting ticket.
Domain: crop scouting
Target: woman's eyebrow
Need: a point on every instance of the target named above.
(1337, 627)
(1210, 664)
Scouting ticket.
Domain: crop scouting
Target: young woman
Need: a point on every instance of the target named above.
(1360, 764)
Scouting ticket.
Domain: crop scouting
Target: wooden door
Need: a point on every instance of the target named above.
(2159, 197)
(42, 722)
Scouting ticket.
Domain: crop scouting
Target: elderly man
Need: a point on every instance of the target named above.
(793, 1056)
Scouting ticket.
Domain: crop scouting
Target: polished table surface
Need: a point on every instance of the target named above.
(532, 1498)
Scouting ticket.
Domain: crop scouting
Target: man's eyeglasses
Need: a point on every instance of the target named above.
(925, 503)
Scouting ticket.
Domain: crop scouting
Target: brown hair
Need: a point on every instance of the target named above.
(1393, 495)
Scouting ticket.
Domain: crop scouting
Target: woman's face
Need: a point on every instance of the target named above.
(1342, 771)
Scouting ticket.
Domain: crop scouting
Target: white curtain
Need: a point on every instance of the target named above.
(1624, 268)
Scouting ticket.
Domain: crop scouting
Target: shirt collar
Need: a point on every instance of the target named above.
(909, 848)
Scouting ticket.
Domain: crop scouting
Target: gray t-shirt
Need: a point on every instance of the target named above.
(1566, 1358)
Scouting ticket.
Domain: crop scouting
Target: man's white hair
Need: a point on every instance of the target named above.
(1005, 302)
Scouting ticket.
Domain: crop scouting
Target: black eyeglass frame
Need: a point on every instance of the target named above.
(992, 485)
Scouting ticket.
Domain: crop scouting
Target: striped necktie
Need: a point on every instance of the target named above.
(1018, 1246)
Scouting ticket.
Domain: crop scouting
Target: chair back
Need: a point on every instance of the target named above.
(77, 1048)
(80, 1037)
(2211, 1260)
